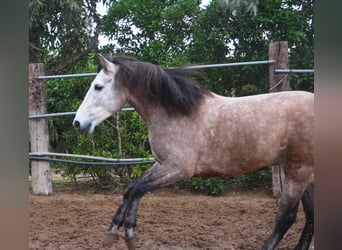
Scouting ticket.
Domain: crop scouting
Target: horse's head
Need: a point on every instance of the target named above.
(104, 97)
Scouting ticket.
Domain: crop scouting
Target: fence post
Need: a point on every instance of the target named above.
(39, 134)
(278, 51)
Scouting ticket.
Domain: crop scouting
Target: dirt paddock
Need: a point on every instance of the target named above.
(167, 219)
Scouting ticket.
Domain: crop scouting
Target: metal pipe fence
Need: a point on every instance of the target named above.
(296, 71)
(88, 163)
(187, 67)
(48, 156)
(66, 113)
(66, 76)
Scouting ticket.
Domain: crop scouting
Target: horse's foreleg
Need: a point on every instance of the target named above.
(118, 218)
(130, 218)
(157, 176)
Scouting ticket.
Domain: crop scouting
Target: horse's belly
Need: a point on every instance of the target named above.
(238, 160)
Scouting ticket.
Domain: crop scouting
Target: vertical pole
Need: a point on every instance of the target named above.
(278, 51)
(39, 134)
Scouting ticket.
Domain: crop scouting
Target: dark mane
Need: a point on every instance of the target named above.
(172, 88)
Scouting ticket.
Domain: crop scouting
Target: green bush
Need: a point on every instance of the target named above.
(138, 170)
(218, 186)
(252, 181)
(210, 186)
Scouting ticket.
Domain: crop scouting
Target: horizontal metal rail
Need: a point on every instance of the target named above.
(229, 64)
(48, 156)
(88, 163)
(66, 76)
(51, 115)
(296, 71)
(300, 71)
(65, 113)
(187, 67)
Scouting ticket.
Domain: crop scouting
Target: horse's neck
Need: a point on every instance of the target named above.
(149, 111)
(155, 115)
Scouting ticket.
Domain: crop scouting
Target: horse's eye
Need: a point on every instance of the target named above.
(98, 87)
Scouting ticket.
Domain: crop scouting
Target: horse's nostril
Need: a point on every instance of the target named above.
(77, 124)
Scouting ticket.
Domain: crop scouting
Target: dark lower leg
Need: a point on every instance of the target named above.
(130, 224)
(117, 221)
(119, 216)
(128, 198)
(308, 231)
(138, 191)
(285, 218)
(155, 177)
(130, 220)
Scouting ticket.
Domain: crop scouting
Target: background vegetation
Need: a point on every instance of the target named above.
(64, 35)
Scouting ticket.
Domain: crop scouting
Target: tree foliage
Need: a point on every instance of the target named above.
(250, 6)
(154, 31)
(176, 32)
(62, 33)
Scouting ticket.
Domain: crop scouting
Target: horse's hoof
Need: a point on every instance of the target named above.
(110, 239)
(132, 243)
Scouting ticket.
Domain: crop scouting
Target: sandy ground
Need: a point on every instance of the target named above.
(167, 219)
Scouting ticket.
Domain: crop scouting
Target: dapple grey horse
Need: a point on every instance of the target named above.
(194, 132)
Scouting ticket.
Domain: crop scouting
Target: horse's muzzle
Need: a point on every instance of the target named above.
(83, 128)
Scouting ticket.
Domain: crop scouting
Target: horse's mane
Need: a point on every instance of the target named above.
(172, 88)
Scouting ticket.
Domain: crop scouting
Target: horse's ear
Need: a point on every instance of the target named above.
(105, 63)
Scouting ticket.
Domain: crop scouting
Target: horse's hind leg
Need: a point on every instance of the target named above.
(308, 231)
(287, 213)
